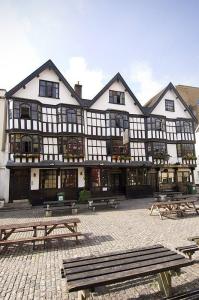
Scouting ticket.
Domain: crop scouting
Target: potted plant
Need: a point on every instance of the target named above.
(84, 196)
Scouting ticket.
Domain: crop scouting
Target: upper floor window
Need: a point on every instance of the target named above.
(71, 146)
(156, 149)
(185, 150)
(25, 111)
(70, 115)
(169, 105)
(116, 97)
(119, 120)
(184, 127)
(48, 89)
(116, 147)
(23, 144)
(154, 123)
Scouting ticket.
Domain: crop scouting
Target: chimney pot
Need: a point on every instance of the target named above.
(78, 89)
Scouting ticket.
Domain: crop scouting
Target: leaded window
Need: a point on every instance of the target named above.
(116, 147)
(71, 146)
(169, 105)
(116, 97)
(70, 115)
(157, 149)
(186, 150)
(48, 89)
(24, 144)
(23, 110)
(184, 126)
(69, 178)
(155, 123)
(119, 120)
(136, 176)
(48, 179)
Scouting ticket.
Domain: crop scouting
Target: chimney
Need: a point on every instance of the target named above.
(78, 89)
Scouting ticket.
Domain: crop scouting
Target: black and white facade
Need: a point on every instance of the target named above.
(57, 141)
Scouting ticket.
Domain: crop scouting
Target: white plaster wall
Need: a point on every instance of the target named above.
(179, 107)
(34, 181)
(32, 90)
(196, 172)
(172, 150)
(81, 177)
(4, 183)
(103, 101)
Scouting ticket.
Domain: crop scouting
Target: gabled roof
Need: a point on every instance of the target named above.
(48, 64)
(153, 102)
(117, 77)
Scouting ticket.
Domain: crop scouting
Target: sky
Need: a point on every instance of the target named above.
(150, 42)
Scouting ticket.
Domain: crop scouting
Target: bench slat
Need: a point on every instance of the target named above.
(95, 262)
(111, 254)
(40, 238)
(128, 264)
(126, 275)
(190, 295)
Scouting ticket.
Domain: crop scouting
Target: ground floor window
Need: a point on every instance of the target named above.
(184, 176)
(69, 178)
(136, 177)
(167, 176)
(99, 178)
(48, 179)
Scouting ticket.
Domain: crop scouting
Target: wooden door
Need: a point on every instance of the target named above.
(19, 184)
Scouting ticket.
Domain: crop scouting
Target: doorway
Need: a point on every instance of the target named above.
(117, 182)
(19, 184)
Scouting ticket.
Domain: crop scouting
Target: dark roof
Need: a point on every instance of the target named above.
(85, 102)
(117, 77)
(153, 102)
(60, 164)
(48, 64)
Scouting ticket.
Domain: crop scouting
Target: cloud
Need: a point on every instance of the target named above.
(17, 55)
(91, 79)
(147, 86)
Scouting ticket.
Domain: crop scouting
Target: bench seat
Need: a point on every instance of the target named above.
(190, 295)
(40, 238)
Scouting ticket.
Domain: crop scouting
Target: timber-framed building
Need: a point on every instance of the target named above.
(54, 140)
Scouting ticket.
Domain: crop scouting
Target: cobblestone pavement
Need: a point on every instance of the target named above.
(27, 274)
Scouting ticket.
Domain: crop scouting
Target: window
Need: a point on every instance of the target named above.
(116, 97)
(119, 120)
(48, 179)
(183, 176)
(167, 177)
(169, 105)
(25, 111)
(184, 127)
(70, 115)
(185, 150)
(156, 149)
(154, 123)
(25, 143)
(71, 146)
(136, 177)
(69, 178)
(116, 147)
(48, 89)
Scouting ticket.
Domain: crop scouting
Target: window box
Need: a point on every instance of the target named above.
(164, 156)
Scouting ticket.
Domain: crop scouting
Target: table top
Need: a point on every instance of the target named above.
(39, 223)
(102, 198)
(171, 202)
(91, 271)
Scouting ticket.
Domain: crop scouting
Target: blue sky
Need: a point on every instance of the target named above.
(149, 42)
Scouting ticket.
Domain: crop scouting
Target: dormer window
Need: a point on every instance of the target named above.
(25, 111)
(116, 97)
(48, 89)
(169, 105)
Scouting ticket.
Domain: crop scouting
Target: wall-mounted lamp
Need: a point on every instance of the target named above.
(81, 173)
(34, 175)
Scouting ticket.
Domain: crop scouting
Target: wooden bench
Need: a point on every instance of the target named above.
(84, 274)
(190, 295)
(51, 206)
(188, 250)
(107, 201)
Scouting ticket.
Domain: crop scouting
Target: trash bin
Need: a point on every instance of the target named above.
(60, 196)
(192, 188)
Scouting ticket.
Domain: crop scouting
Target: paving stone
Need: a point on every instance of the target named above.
(27, 274)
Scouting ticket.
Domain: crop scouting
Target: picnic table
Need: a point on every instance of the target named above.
(60, 205)
(98, 201)
(178, 207)
(47, 227)
(84, 274)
